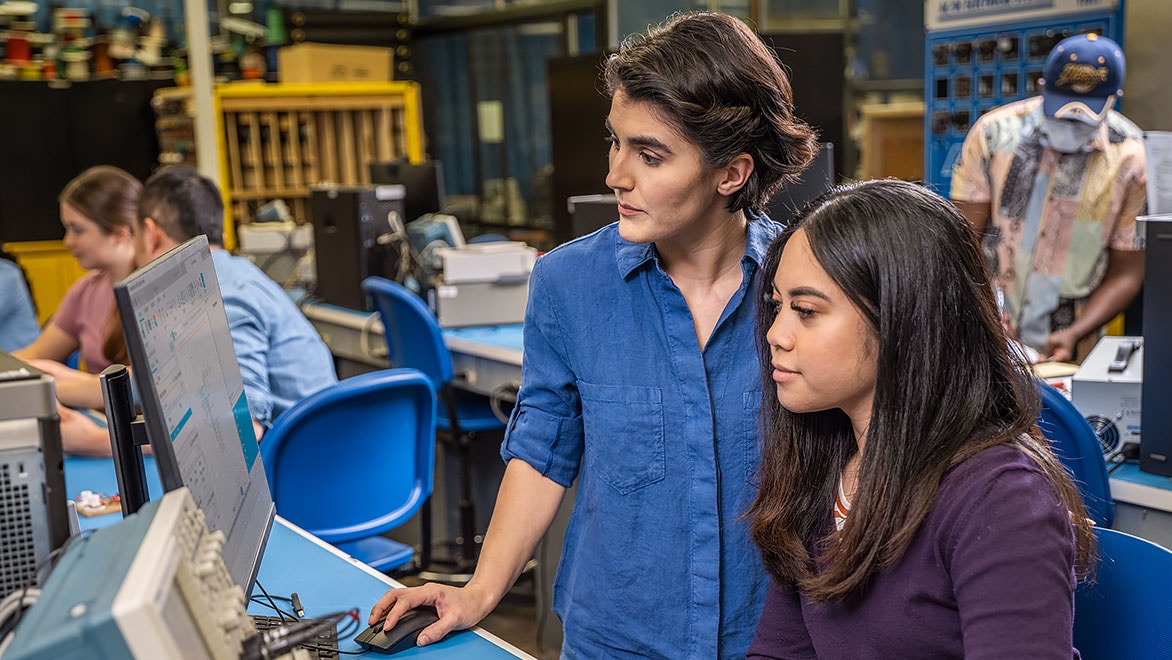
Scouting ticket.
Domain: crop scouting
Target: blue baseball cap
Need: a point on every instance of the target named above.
(1083, 78)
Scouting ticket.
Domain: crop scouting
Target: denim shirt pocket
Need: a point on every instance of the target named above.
(751, 435)
(624, 434)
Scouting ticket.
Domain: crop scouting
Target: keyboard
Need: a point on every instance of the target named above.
(325, 647)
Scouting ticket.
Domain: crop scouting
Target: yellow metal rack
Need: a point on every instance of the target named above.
(277, 140)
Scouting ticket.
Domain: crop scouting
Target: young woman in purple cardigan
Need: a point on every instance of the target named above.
(909, 506)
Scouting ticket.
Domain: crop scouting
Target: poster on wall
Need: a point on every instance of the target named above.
(947, 14)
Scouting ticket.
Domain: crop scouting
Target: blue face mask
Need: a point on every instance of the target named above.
(1067, 136)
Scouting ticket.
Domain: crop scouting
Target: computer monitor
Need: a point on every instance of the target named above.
(423, 184)
(589, 213)
(194, 408)
(817, 179)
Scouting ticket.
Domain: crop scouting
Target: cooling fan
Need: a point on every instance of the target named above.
(1108, 432)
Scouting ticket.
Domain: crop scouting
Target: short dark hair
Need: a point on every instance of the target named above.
(184, 204)
(947, 386)
(712, 78)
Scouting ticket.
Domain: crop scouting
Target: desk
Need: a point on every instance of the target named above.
(326, 579)
(485, 359)
(1143, 504)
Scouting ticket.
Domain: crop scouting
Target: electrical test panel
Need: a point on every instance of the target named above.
(980, 54)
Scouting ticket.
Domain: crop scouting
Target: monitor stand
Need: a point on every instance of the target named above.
(127, 436)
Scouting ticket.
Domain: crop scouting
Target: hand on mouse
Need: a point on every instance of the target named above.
(459, 608)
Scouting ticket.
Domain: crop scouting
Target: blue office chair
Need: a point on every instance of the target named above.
(415, 340)
(355, 460)
(1123, 613)
(490, 237)
(1077, 446)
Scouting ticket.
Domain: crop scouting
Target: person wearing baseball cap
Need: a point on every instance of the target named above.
(1055, 183)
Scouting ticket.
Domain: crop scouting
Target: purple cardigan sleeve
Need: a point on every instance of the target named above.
(781, 632)
(1009, 549)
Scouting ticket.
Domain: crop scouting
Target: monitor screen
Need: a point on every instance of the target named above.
(193, 402)
(817, 179)
(423, 184)
(589, 213)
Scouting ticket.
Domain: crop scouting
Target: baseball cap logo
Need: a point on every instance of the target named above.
(1081, 78)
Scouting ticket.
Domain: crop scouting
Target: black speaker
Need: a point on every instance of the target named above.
(357, 232)
(1155, 444)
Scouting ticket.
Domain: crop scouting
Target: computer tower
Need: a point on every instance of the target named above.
(1155, 445)
(34, 514)
(357, 232)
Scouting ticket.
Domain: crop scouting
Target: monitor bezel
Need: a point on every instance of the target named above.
(154, 419)
(404, 172)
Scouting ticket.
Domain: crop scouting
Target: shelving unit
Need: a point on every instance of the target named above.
(278, 140)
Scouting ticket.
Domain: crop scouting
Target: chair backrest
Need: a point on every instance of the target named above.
(357, 458)
(1123, 613)
(1077, 446)
(414, 337)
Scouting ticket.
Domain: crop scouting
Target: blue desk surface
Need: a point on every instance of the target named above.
(499, 336)
(97, 474)
(1131, 472)
(325, 579)
(1131, 485)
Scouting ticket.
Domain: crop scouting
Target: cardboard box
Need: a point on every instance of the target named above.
(311, 63)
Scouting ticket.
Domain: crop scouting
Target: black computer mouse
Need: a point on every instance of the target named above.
(402, 636)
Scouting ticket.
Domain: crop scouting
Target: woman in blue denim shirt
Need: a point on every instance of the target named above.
(639, 377)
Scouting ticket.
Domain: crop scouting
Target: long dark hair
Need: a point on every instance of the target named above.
(947, 387)
(713, 79)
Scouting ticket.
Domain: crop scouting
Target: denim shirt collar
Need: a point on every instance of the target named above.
(630, 256)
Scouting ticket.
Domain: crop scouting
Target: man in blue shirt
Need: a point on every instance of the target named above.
(18, 318)
(282, 358)
(640, 378)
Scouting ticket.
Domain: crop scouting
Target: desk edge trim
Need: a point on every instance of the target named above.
(393, 583)
(1130, 492)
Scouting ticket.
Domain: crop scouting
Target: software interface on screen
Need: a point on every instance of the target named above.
(193, 398)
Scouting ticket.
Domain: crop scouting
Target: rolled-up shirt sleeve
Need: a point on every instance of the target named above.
(545, 429)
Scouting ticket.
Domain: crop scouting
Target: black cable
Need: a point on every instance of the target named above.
(51, 557)
(276, 642)
(271, 603)
(282, 613)
(353, 625)
(351, 628)
(263, 601)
